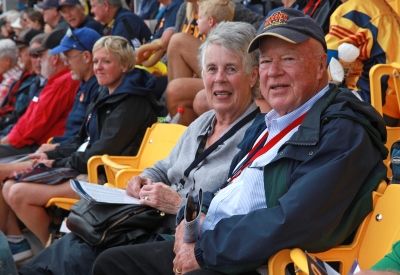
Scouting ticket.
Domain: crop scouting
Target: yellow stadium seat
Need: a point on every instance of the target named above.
(157, 143)
(375, 75)
(374, 238)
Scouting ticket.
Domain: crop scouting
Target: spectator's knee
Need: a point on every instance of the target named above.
(173, 92)
(15, 195)
(200, 104)
(176, 43)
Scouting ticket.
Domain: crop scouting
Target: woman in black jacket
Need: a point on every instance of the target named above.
(115, 125)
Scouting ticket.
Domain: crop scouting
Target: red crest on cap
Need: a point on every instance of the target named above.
(278, 18)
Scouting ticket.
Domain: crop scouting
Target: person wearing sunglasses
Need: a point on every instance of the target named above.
(15, 104)
(47, 113)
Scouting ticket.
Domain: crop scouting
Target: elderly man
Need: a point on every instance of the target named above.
(74, 14)
(306, 183)
(46, 114)
(120, 21)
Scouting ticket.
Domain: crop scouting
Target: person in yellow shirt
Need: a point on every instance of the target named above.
(374, 28)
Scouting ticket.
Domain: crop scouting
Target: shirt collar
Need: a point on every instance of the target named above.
(276, 123)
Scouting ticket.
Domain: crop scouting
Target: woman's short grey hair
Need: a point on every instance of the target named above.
(235, 36)
(119, 47)
(9, 49)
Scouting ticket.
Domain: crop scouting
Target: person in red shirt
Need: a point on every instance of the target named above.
(46, 114)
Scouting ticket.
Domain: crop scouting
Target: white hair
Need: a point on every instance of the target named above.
(9, 49)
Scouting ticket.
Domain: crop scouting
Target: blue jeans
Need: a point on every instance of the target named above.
(7, 265)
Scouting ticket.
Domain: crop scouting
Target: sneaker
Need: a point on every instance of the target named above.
(21, 250)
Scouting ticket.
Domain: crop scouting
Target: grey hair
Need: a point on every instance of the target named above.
(235, 36)
(9, 49)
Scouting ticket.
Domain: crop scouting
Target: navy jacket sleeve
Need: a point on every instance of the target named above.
(123, 127)
(131, 26)
(331, 179)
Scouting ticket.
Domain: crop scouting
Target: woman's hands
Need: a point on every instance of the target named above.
(41, 158)
(154, 194)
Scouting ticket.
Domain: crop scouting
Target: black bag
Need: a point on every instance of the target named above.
(108, 225)
(47, 175)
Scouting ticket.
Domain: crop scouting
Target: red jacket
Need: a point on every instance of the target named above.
(46, 115)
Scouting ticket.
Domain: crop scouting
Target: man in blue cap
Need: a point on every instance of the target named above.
(76, 46)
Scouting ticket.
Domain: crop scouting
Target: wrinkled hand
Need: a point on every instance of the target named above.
(179, 232)
(160, 196)
(135, 184)
(185, 260)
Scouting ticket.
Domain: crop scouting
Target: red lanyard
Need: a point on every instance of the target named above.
(257, 150)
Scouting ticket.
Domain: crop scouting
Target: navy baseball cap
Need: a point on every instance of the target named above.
(290, 25)
(47, 4)
(81, 39)
(62, 3)
(51, 40)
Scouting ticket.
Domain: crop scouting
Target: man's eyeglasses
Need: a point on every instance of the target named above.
(71, 34)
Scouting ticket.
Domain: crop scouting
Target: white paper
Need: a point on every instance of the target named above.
(64, 228)
(101, 193)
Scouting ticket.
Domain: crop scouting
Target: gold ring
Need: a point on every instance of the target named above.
(146, 198)
(177, 271)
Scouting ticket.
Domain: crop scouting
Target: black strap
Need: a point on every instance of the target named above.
(205, 153)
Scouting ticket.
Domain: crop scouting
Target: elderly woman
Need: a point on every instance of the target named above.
(9, 69)
(225, 72)
(115, 125)
(230, 76)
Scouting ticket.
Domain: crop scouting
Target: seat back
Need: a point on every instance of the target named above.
(376, 73)
(157, 143)
(383, 229)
